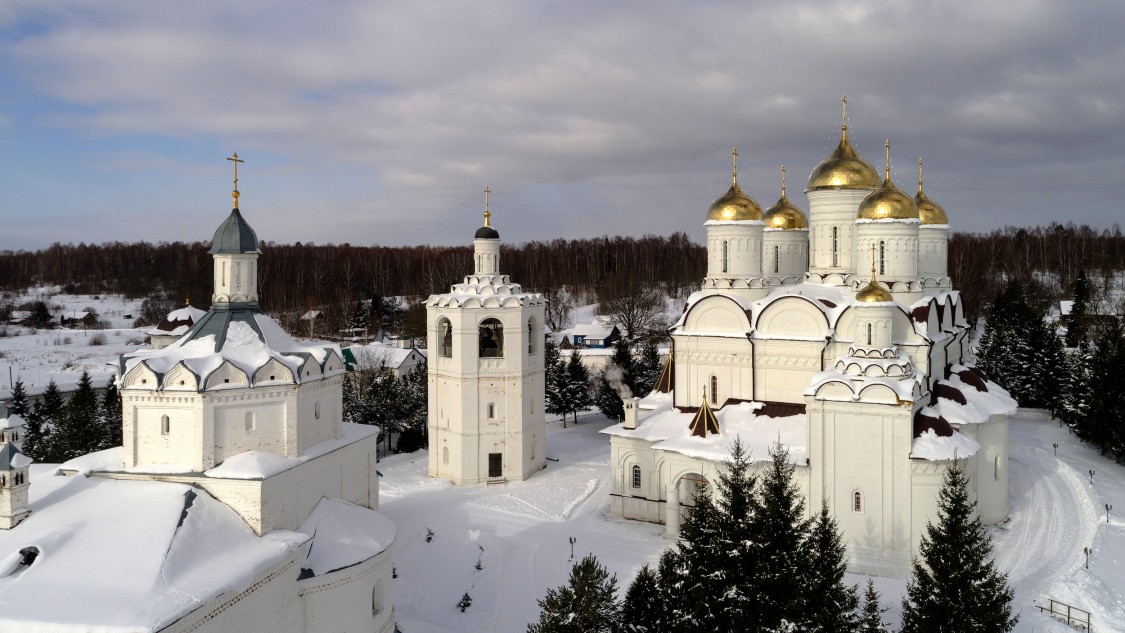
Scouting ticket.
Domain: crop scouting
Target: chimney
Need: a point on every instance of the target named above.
(632, 411)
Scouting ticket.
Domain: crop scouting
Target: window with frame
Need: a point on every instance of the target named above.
(882, 257)
(835, 246)
(636, 476)
(714, 390)
(726, 255)
(857, 501)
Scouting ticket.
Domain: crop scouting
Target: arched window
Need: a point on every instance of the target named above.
(19, 478)
(445, 338)
(882, 257)
(377, 597)
(835, 246)
(869, 328)
(165, 425)
(531, 335)
(445, 455)
(636, 476)
(726, 254)
(316, 409)
(3, 480)
(491, 411)
(714, 390)
(776, 258)
(491, 339)
(251, 423)
(996, 467)
(857, 501)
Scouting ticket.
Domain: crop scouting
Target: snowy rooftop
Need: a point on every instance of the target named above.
(344, 534)
(177, 322)
(125, 555)
(375, 354)
(668, 428)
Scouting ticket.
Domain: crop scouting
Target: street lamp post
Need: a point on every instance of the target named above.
(572, 541)
(1086, 551)
(1091, 477)
(1056, 445)
(1107, 509)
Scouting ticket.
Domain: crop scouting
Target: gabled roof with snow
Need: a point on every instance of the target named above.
(177, 322)
(597, 330)
(393, 357)
(125, 555)
(11, 457)
(13, 421)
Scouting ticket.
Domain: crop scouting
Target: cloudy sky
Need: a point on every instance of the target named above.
(381, 122)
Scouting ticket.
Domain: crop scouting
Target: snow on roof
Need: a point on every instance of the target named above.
(933, 447)
(263, 464)
(1065, 307)
(669, 429)
(903, 388)
(379, 353)
(592, 330)
(11, 457)
(125, 555)
(829, 299)
(344, 534)
(177, 322)
(979, 405)
(310, 315)
(13, 421)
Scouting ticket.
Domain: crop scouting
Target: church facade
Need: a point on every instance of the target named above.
(839, 338)
(486, 421)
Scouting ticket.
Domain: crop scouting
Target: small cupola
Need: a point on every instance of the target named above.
(784, 214)
(929, 211)
(734, 206)
(888, 202)
(844, 168)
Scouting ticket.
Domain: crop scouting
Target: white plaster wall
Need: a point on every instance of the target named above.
(828, 208)
(900, 256)
(142, 411)
(988, 469)
(785, 368)
(744, 249)
(785, 252)
(235, 278)
(933, 251)
(232, 436)
(341, 601)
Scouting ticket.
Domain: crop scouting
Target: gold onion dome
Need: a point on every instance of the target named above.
(929, 211)
(873, 292)
(734, 205)
(845, 168)
(783, 214)
(888, 202)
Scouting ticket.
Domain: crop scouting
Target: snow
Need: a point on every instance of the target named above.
(980, 404)
(669, 430)
(13, 421)
(344, 534)
(263, 464)
(933, 447)
(114, 553)
(19, 460)
(109, 459)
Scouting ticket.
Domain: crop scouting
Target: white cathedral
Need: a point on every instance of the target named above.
(240, 500)
(838, 336)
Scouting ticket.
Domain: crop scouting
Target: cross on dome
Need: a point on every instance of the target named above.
(234, 159)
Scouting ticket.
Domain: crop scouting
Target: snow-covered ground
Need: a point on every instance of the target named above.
(524, 529)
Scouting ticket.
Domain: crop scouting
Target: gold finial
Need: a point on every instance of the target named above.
(919, 174)
(872, 262)
(734, 168)
(844, 116)
(187, 301)
(487, 214)
(783, 181)
(236, 161)
(887, 168)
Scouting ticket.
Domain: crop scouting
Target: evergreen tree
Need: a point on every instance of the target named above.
(1047, 367)
(643, 608)
(33, 440)
(871, 615)
(360, 315)
(588, 604)
(18, 404)
(1077, 397)
(780, 526)
(47, 412)
(1076, 323)
(955, 585)
(646, 370)
(996, 353)
(414, 390)
(350, 397)
(111, 417)
(78, 426)
(554, 381)
(1104, 427)
(615, 382)
(831, 603)
(577, 396)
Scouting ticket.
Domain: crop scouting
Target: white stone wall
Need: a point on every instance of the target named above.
(899, 241)
(235, 278)
(833, 208)
(785, 252)
(356, 598)
(933, 251)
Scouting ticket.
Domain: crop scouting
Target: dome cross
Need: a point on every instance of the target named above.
(234, 159)
(487, 214)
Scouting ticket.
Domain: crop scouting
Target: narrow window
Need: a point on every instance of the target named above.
(224, 273)
(882, 258)
(835, 246)
(636, 476)
(996, 467)
(491, 411)
(531, 336)
(714, 390)
(725, 255)
(377, 598)
(3, 480)
(491, 335)
(251, 423)
(445, 338)
(165, 425)
(869, 334)
(776, 259)
(316, 409)
(857, 502)
(445, 455)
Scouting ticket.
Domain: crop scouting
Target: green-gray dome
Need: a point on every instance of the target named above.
(234, 236)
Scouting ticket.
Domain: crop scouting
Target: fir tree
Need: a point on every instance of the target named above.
(577, 396)
(350, 397)
(17, 404)
(615, 382)
(1076, 324)
(1077, 394)
(871, 615)
(588, 604)
(33, 440)
(1107, 393)
(554, 381)
(780, 526)
(47, 412)
(413, 392)
(111, 417)
(643, 608)
(831, 603)
(77, 426)
(955, 585)
(646, 370)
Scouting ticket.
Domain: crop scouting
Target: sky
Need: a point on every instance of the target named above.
(381, 122)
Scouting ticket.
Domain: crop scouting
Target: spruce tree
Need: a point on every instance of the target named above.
(1078, 396)
(1105, 428)
(18, 404)
(955, 585)
(577, 396)
(414, 394)
(111, 417)
(615, 382)
(33, 439)
(47, 413)
(587, 604)
(646, 370)
(77, 426)
(1076, 323)
(871, 614)
(554, 381)
(643, 608)
(781, 528)
(831, 604)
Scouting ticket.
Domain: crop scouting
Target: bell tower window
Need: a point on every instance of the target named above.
(445, 338)
(491, 339)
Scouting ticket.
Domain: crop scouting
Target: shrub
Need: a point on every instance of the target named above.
(97, 339)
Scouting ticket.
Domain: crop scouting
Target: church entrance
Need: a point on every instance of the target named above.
(495, 465)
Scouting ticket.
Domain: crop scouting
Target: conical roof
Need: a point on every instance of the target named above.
(704, 421)
(234, 236)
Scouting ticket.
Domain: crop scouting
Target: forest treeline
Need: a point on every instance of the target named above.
(331, 277)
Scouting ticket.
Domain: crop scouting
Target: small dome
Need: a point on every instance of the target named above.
(733, 206)
(234, 235)
(873, 293)
(929, 211)
(784, 215)
(887, 202)
(844, 169)
(486, 233)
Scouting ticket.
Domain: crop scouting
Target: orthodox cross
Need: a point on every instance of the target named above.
(887, 151)
(783, 181)
(234, 159)
(734, 169)
(844, 116)
(487, 214)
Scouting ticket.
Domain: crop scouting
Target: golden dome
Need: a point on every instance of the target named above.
(734, 205)
(929, 211)
(873, 293)
(783, 214)
(845, 168)
(888, 202)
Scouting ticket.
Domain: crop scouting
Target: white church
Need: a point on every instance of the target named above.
(240, 500)
(839, 336)
(486, 421)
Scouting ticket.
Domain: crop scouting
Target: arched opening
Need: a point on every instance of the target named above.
(636, 476)
(726, 255)
(996, 467)
(531, 335)
(377, 597)
(714, 390)
(445, 338)
(165, 425)
(882, 257)
(251, 421)
(491, 411)
(491, 339)
(857, 501)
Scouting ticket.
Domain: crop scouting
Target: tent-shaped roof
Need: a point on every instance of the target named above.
(704, 421)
